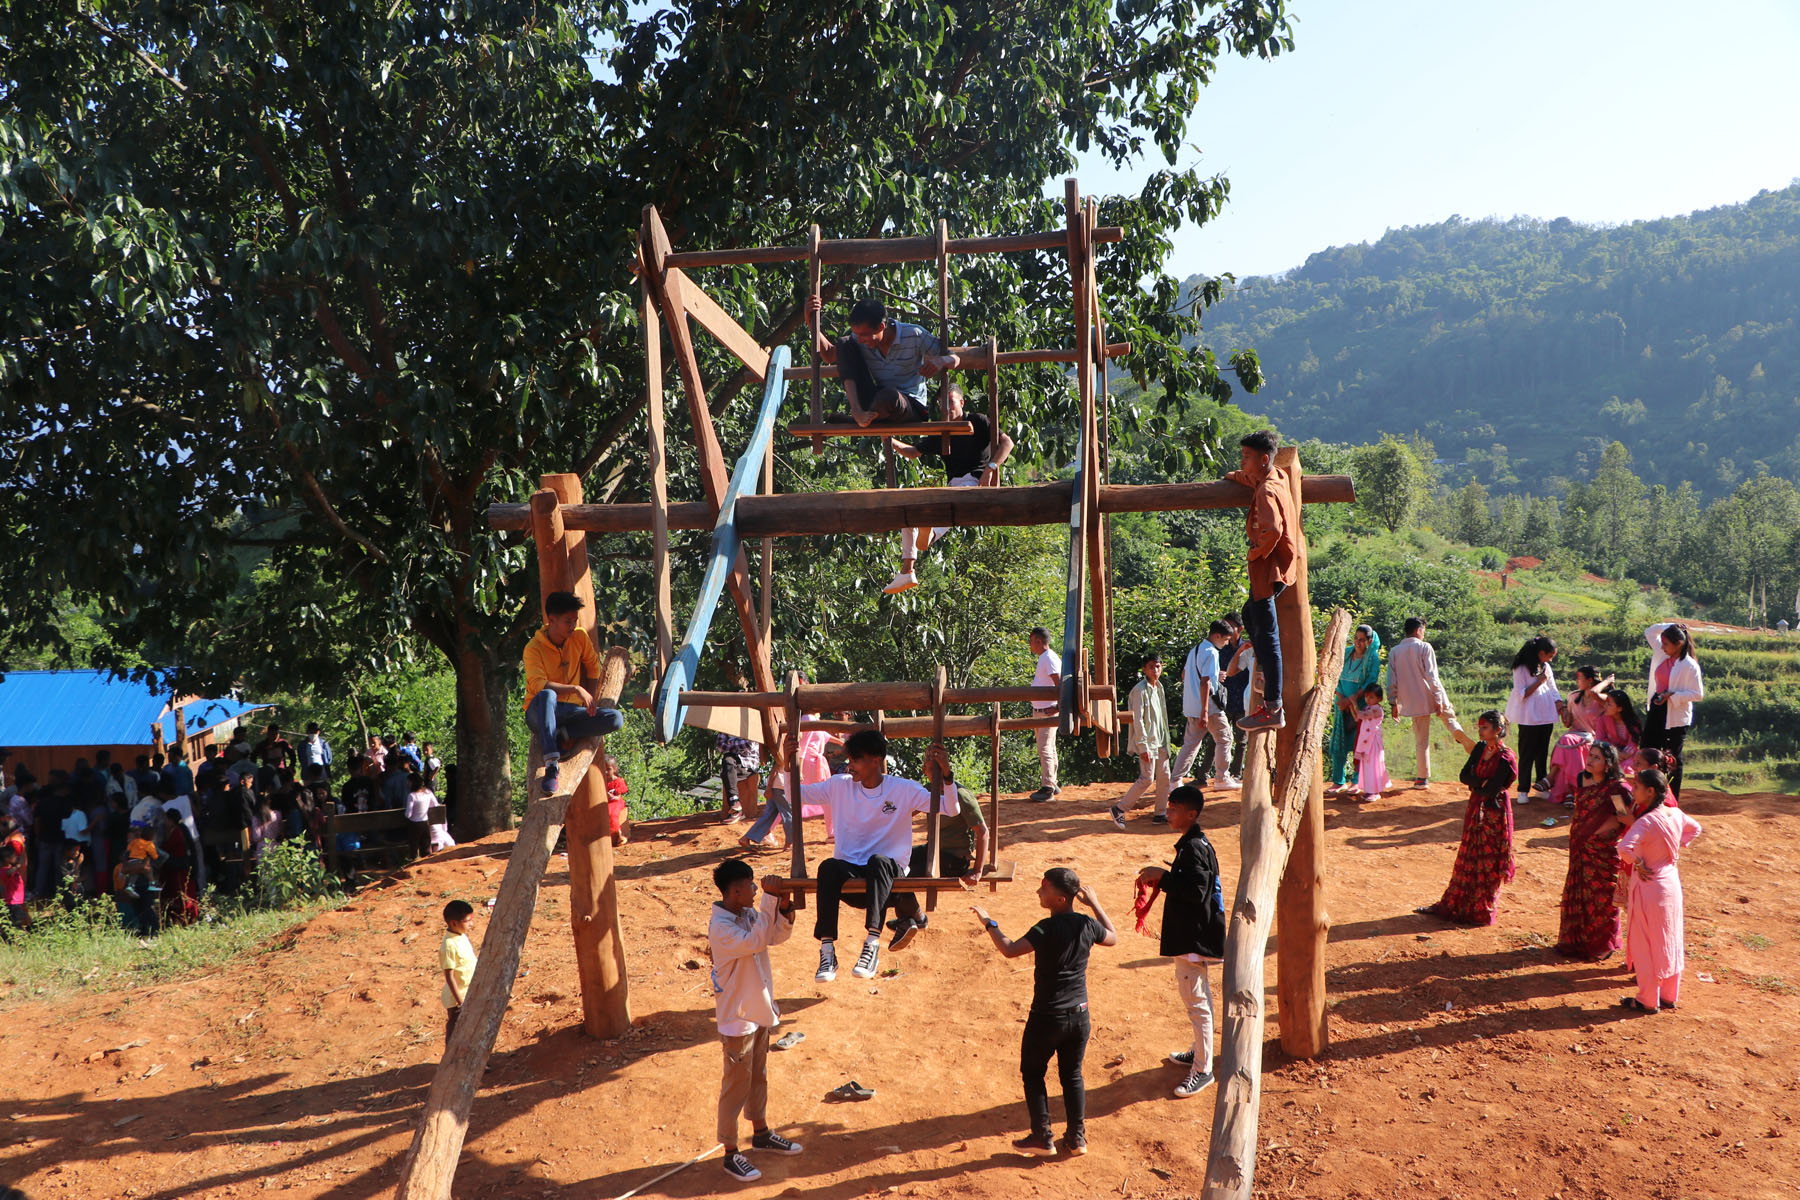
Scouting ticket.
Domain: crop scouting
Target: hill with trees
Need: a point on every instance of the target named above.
(1521, 349)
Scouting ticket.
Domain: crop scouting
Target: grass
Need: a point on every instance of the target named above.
(1775, 984)
(86, 951)
(1755, 941)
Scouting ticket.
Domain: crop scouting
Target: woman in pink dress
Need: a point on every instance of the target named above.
(1579, 714)
(1618, 725)
(1654, 937)
(1371, 754)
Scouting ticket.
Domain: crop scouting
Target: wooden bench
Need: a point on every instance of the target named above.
(906, 429)
(379, 820)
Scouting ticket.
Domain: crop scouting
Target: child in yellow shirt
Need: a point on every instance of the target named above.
(562, 679)
(456, 955)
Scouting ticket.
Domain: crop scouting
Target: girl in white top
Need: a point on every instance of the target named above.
(1532, 708)
(1675, 685)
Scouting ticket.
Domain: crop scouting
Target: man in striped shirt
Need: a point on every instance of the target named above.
(883, 364)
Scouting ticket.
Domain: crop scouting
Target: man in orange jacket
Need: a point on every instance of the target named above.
(1271, 523)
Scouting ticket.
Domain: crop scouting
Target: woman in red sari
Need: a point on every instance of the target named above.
(1590, 915)
(1484, 860)
(181, 903)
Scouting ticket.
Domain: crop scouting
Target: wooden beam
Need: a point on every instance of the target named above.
(810, 514)
(580, 579)
(1231, 1160)
(547, 531)
(981, 358)
(593, 892)
(916, 428)
(871, 695)
(993, 874)
(661, 592)
(875, 251)
(994, 784)
(1082, 507)
(430, 1164)
(1301, 922)
(716, 321)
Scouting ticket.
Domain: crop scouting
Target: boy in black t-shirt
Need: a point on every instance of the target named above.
(1058, 1021)
(973, 460)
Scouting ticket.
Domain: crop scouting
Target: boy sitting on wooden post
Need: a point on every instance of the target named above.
(1270, 522)
(739, 936)
(871, 818)
(562, 685)
(1193, 929)
(883, 364)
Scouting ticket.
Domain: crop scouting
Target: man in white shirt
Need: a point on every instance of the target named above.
(870, 815)
(1203, 704)
(315, 751)
(1049, 674)
(1414, 690)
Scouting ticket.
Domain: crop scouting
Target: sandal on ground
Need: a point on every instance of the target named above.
(1635, 1005)
(849, 1091)
(1665, 1005)
(788, 1041)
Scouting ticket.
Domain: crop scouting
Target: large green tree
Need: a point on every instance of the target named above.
(312, 282)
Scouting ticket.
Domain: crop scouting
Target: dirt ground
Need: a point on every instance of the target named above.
(1464, 1063)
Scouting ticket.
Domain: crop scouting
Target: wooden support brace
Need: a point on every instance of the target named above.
(883, 431)
(791, 748)
(982, 358)
(716, 321)
(661, 593)
(994, 784)
(813, 365)
(869, 252)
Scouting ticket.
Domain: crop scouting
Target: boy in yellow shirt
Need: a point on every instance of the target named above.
(562, 681)
(456, 955)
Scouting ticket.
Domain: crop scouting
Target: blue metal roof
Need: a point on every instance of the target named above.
(93, 708)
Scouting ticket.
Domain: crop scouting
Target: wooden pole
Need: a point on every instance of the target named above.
(869, 252)
(1263, 833)
(994, 784)
(1302, 924)
(430, 1164)
(812, 275)
(593, 891)
(659, 482)
(578, 578)
(993, 390)
(765, 563)
(807, 514)
(943, 313)
(938, 687)
(797, 836)
(984, 358)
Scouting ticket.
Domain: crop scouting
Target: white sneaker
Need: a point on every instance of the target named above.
(827, 963)
(903, 581)
(1227, 781)
(866, 961)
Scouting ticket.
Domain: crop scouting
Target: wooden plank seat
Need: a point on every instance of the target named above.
(908, 429)
(929, 886)
(379, 820)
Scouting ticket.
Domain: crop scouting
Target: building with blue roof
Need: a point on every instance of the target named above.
(48, 719)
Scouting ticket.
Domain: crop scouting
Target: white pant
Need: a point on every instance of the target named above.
(1422, 740)
(1155, 770)
(1196, 996)
(1046, 742)
(1215, 724)
(909, 537)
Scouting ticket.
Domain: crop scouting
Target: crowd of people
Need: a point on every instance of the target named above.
(154, 837)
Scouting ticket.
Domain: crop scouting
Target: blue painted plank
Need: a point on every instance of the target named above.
(725, 545)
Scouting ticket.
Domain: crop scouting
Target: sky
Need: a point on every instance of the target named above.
(1399, 112)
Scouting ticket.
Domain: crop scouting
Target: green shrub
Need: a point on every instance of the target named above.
(291, 873)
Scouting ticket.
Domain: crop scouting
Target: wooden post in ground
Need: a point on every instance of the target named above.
(1272, 809)
(994, 785)
(659, 481)
(1301, 922)
(593, 891)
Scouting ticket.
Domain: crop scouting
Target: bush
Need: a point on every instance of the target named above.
(290, 873)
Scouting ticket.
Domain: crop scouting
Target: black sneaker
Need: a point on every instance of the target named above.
(827, 963)
(906, 931)
(741, 1168)
(1118, 816)
(774, 1143)
(1183, 1058)
(1042, 794)
(1075, 1144)
(868, 959)
(1195, 1083)
(1159, 818)
(1040, 1145)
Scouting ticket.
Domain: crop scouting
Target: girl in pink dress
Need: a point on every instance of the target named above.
(1654, 937)
(1579, 714)
(1371, 754)
(1618, 725)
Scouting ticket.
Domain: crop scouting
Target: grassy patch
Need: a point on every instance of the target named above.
(1755, 941)
(86, 950)
(1776, 984)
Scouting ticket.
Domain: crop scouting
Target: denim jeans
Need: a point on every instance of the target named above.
(775, 805)
(546, 717)
(1265, 639)
(1065, 1035)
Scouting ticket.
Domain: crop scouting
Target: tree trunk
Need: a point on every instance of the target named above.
(484, 784)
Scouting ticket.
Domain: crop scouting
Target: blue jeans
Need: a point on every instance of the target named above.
(546, 717)
(775, 805)
(1265, 639)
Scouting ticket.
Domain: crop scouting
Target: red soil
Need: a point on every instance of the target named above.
(1523, 562)
(1467, 1063)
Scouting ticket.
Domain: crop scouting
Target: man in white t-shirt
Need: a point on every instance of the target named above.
(1203, 704)
(870, 814)
(1049, 674)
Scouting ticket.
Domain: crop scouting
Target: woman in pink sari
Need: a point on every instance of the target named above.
(1618, 725)
(1650, 849)
(1590, 912)
(1579, 714)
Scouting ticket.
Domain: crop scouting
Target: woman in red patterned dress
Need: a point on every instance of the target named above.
(1590, 915)
(1484, 860)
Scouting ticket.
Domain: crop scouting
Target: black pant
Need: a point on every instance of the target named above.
(1064, 1034)
(879, 873)
(951, 866)
(1534, 750)
(890, 406)
(1658, 736)
(1265, 639)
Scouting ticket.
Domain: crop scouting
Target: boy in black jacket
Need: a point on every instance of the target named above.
(1193, 929)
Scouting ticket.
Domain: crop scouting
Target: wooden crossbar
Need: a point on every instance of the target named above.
(870, 252)
(993, 876)
(913, 429)
(981, 358)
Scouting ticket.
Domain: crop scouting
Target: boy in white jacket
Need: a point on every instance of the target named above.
(739, 936)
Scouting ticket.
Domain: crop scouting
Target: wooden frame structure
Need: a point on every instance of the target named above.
(1281, 810)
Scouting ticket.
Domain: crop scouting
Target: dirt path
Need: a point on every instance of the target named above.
(1463, 1063)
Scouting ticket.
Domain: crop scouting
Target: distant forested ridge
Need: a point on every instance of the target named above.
(1521, 348)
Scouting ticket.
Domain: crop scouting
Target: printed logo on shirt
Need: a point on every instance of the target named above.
(887, 806)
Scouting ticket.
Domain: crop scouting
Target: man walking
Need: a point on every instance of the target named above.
(1203, 704)
(1049, 674)
(1150, 742)
(1414, 690)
